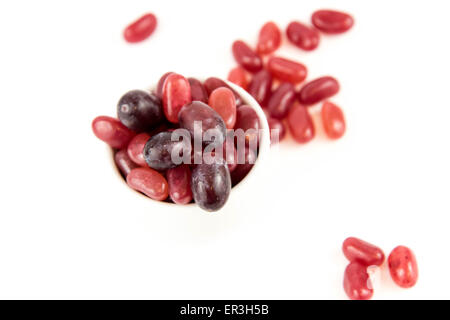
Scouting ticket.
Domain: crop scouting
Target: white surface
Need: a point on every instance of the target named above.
(68, 229)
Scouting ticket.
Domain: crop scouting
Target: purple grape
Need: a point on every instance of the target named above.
(158, 151)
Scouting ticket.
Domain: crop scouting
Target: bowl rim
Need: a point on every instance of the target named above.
(263, 150)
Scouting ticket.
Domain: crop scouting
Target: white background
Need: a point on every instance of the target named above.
(70, 229)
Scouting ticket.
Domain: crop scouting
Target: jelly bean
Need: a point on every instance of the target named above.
(281, 100)
(260, 87)
(176, 94)
(363, 252)
(302, 36)
(160, 85)
(269, 38)
(287, 70)
(123, 162)
(213, 83)
(198, 91)
(140, 110)
(159, 151)
(246, 57)
(357, 284)
(403, 267)
(277, 130)
(211, 185)
(141, 29)
(239, 77)
(211, 122)
(136, 147)
(247, 119)
(149, 182)
(112, 131)
(223, 102)
(318, 90)
(179, 180)
(246, 159)
(333, 120)
(230, 154)
(300, 124)
(331, 21)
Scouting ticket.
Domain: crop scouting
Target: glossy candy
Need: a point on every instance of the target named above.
(357, 284)
(159, 149)
(260, 87)
(238, 76)
(160, 85)
(141, 29)
(333, 120)
(112, 131)
(246, 119)
(223, 102)
(403, 267)
(211, 185)
(210, 120)
(246, 57)
(149, 182)
(302, 36)
(124, 163)
(281, 100)
(230, 154)
(198, 91)
(331, 21)
(300, 124)
(277, 130)
(269, 38)
(213, 83)
(136, 148)
(287, 70)
(245, 164)
(139, 110)
(363, 252)
(176, 94)
(179, 180)
(318, 90)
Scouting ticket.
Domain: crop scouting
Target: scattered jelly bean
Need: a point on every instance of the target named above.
(287, 70)
(281, 100)
(223, 102)
(136, 147)
(149, 182)
(269, 38)
(318, 90)
(176, 94)
(260, 87)
(363, 252)
(141, 29)
(333, 120)
(403, 267)
(300, 124)
(277, 130)
(357, 283)
(331, 21)
(302, 36)
(238, 76)
(123, 162)
(112, 131)
(159, 151)
(246, 57)
(198, 91)
(179, 180)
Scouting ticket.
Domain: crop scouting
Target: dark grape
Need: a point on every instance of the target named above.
(158, 151)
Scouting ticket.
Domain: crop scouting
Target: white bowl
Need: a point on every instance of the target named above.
(246, 187)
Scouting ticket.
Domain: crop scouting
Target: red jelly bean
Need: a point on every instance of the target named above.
(176, 94)
(135, 148)
(302, 36)
(333, 120)
(260, 87)
(179, 180)
(246, 57)
(363, 252)
(230, 154)
(269, 38)
(150, 182)
(141, 29)
(213, 83)
(246, 119)
(198, 91)
(318, 90)
(331, 21)
(357, 284)
(287, 70)
(239, 77)
(223, 102)
(160, 85)
(123, 162)
(403, 267)
(277, 130)
(112, 131)
(281, 100)
(242, 169)
(300, 124)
